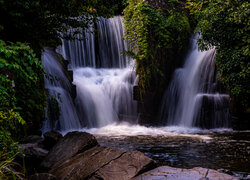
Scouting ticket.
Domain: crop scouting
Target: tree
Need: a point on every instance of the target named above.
(39, 22)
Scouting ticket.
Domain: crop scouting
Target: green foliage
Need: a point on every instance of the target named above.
(155, 41)
(21, 89)
(22, 100)
(9, 123)
(142, 26)
(226, 25)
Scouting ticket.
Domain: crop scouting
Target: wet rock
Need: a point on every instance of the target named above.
(33, 139)
(67, 147)
(83, 165)
(42, 176)
(125, 167)
(33, 156)
(215, 175)
(170, 173)
(33, 151)
(51, 138)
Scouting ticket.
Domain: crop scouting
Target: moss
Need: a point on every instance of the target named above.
(157, 41)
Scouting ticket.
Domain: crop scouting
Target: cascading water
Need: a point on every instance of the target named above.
(104, 79)
(104, 96)
(103, 50)
(193, 97)
(59, 86)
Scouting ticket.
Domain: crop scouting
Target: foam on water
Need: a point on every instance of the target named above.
(125, 129)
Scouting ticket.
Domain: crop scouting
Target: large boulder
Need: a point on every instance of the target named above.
(67, 147)
(83, 165)
(170, 173)
(125, 167)
(51, 138)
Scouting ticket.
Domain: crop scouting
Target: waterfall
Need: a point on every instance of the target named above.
(194, 96)
(58, 85)
(104, 79)
(102, 49)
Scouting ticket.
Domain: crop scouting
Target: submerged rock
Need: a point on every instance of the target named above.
(170, 173)
(67, 147)
(51, 138)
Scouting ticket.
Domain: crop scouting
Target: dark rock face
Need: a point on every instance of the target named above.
(51, 138)
(84, 164)
(125, 167)
(31, 140)
(42, 176)
(214, 112)
(67, 147)
(166, 172)
(33, 151)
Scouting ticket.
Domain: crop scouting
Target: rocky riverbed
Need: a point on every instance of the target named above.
(78, 155)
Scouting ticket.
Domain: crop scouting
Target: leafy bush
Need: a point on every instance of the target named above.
(22, 87)
(22, 100)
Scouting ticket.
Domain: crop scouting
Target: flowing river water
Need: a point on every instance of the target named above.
(221, 149)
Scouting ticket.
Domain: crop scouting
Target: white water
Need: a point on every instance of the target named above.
(59, 86)
(193, 88)
(104, 79)
(104, 83)
(102, 50)
(104, 96)
(123, 129)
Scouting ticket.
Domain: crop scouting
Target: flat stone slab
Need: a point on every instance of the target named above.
(67, 147)
(125, 167)
(83, 165)
(170, 173)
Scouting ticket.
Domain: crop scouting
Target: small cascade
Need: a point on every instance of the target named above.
(104, 79)
(81, 51)
(100, 49)
(194, 97)
(58, 85)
